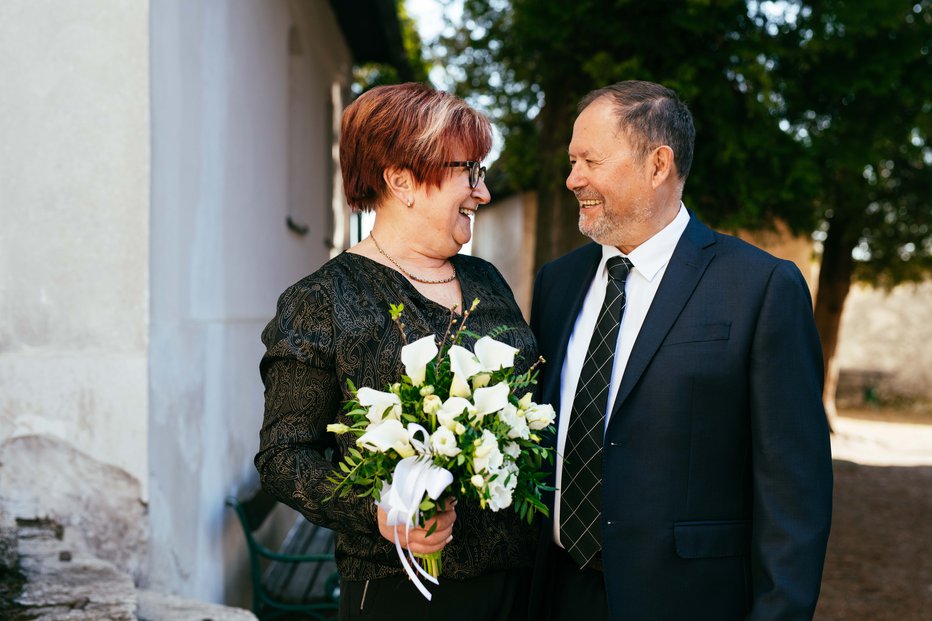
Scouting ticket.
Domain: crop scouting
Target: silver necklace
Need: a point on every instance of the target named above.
(425, 281)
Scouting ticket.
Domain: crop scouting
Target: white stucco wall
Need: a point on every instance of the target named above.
(242, 132)
(74, 203)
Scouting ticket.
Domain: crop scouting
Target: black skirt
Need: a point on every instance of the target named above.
(495, 596)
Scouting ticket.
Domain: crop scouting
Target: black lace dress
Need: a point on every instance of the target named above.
(332, 326)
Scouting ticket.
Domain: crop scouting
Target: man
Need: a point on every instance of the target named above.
(694, 471)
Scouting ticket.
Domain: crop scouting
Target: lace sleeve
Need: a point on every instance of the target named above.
(302, 396)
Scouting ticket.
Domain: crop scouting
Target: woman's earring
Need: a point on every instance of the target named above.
(410, 203)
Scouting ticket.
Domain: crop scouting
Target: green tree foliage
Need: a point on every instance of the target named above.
(818, 115)
(854, 84)
(368, 75)
(529, 62)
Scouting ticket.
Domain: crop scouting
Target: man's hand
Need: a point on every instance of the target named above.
(417, 540)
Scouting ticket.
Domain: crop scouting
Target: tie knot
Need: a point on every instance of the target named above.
(618, 268)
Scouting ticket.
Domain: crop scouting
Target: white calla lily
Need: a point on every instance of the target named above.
(382, 405)
(386, 435)
(480, 380)
(452, 408)
(491, 399)
(463, 364)
(415, 357)
(525, 401)
(459, 387)
(494, 355)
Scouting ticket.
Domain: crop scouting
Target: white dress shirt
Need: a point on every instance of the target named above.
(649, 261)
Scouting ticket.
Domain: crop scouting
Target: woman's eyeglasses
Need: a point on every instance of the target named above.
(476, 171)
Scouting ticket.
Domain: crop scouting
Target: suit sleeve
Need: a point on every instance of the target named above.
(791, 455)
(543, 342)
(536, 302)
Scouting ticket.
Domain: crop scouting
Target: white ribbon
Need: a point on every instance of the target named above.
(421, 446)
(413, 477)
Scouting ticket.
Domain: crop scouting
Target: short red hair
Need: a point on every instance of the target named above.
(410, 126)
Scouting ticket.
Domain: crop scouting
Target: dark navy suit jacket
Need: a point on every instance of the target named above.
(717, 469)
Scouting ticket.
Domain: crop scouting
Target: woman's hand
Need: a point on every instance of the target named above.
(417, 539)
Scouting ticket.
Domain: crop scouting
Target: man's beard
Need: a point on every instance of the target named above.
(611, 228)
(597, 229)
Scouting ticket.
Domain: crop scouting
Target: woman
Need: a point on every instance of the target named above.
(412, 155)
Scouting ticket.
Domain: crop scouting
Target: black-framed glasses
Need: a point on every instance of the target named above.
(476, 171)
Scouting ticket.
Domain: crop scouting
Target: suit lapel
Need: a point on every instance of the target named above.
(690, 258)
(570, 287)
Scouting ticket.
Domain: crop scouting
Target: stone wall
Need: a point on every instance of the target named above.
(73, 545)
(887, 333)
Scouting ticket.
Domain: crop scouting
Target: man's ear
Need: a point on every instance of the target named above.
(400, 184)
(662, 165)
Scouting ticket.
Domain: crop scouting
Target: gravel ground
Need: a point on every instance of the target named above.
(879, 563)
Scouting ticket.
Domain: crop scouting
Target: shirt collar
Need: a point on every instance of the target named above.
(653, 254)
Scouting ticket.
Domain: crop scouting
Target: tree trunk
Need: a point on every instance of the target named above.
(557, 210)
(834, 284)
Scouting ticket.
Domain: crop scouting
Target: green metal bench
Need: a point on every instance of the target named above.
(300, 579)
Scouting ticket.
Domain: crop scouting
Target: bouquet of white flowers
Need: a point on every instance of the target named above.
(459, 423)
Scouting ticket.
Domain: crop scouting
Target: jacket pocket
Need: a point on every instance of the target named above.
(711, 539)
(698, 333)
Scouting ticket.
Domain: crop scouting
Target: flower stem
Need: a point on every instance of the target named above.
(431, 562)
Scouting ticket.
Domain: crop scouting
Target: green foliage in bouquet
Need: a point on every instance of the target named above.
(468, 413)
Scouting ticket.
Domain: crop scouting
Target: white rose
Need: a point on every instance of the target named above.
(499, 495)
(510, 472)
(512, 450)
(487, 455)
(459, 429)
(386, 435)
(518, 426)
(382, 405)
(432, 404)
(477, 480)
(540, 416)
(415, 357)
(444, 443)
(494, 355)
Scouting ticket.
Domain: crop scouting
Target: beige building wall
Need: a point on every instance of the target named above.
(505, 236)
